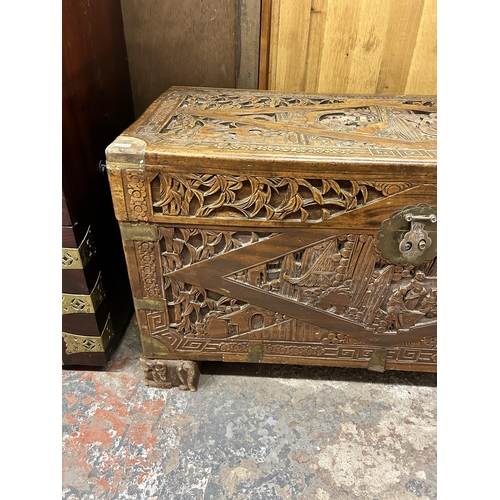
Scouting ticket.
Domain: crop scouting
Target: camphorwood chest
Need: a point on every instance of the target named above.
(278, 227)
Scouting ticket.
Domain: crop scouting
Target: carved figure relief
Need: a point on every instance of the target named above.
(203, 314)
(290, 122)
(200, 314)
(165, 373)
(345, 276)
(350, 126)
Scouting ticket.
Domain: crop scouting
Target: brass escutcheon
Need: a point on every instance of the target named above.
(409, 236)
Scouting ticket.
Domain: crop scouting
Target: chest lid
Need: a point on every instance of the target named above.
(233, 128)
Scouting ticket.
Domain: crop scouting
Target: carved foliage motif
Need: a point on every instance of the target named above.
(253, 100)
(196, 313)
(136, 190)
(345, 276)
(255, 197)
(191, 308)
(181, 247)
(146, 252)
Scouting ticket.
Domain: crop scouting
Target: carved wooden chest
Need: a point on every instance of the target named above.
(280, 228)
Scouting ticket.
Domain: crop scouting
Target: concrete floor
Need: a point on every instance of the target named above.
(249, 432)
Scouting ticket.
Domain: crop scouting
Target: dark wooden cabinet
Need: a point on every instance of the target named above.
(97, 105)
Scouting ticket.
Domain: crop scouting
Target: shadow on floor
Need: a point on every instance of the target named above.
(391, 377)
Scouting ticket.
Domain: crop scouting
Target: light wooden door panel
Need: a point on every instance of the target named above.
(353, 46)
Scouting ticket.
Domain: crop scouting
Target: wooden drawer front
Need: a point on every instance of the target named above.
(87, 329)
(90, 350)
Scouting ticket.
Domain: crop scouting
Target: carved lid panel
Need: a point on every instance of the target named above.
(296, 127)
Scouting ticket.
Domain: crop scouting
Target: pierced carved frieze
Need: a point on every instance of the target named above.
(237, 100)
(345, 276)
(213, 99)
(263, 198)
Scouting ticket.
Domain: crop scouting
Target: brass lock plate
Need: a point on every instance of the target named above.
(409, 236)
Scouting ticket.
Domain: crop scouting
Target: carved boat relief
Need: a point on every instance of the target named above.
(345, 276)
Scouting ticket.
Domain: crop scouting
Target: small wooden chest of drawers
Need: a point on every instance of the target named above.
(280, 228)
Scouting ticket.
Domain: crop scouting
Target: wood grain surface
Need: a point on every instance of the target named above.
(360, 46)
(212, 43)
(265, 34)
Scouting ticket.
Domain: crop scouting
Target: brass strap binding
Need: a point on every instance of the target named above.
(377, 361)
(78, 258)
(82, 343)
(255, 352)
(86, 304)
(138, 232)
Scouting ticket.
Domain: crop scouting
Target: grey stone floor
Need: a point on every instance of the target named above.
(249, 432)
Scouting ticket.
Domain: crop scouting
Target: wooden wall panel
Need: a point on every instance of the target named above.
(248, 37)
(211, 43)
(353, 46)
(422, 74)
(265, 32)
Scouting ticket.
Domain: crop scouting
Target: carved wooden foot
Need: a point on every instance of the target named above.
(166, 373)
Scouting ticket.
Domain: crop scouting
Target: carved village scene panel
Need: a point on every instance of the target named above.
(345, 276)
(364, 126)
(342, 276)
